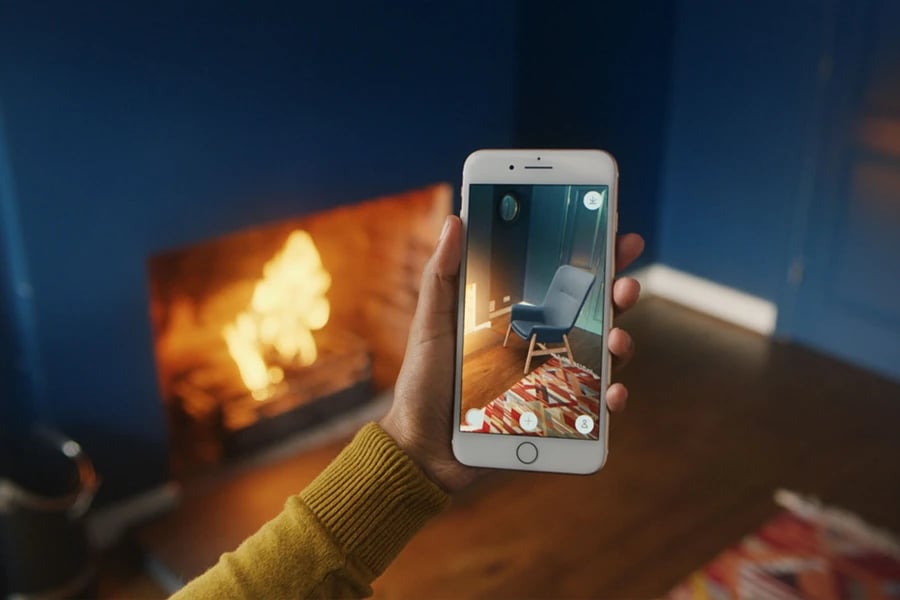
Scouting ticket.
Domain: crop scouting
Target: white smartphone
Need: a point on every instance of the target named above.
(532, 362)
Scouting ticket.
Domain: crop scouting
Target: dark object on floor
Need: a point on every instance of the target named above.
(46, 486)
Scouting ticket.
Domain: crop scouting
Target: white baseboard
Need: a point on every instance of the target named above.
(703, 295)
(106, 526)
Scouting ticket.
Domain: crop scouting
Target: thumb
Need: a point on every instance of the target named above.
(436, 308)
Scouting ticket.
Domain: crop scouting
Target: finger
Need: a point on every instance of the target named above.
(445, 261)
(625, 294)
(621, 346)
(628, 247)
(436, 308)
(616, 397)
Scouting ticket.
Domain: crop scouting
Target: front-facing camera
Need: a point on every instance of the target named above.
(511, 167)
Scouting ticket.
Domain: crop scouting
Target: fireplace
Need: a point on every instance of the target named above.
(266, 332)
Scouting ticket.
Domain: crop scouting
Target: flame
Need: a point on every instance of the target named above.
(288, 304)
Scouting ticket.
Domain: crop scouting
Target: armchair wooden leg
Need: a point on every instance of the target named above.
(508, 329)
(530, 350)
(568, 347)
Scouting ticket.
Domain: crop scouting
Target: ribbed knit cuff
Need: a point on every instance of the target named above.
(373, 498)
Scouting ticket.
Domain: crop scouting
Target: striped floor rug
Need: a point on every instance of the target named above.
(557, 392)
(806, 551)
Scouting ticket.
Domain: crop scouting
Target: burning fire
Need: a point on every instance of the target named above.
(288, 304)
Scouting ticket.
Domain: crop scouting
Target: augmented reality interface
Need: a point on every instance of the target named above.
(533, 310)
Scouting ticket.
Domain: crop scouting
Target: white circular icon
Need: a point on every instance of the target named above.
(475, 417)
(593, 200)
(584, 424)
(528, 421)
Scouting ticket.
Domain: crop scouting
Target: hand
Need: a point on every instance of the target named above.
(421, 417)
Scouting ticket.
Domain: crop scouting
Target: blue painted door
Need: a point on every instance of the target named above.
(844, 284)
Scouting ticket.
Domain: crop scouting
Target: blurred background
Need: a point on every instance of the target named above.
(758, 144)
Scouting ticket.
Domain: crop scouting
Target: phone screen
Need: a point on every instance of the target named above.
(533, 310)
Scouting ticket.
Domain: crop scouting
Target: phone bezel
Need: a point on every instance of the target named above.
(560, 167)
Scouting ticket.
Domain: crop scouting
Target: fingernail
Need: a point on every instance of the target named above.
(445, 229)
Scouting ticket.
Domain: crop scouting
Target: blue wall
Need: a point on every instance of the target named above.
(780, 170)
(10, 403)
(742, 135)
(18, 346)
(596, 74)
(135, 127)
(545, 250)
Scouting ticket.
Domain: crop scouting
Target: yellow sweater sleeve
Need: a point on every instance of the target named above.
(335, 537)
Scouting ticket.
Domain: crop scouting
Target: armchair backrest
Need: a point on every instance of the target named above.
(566, 295)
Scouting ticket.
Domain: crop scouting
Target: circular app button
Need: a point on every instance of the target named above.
(475, 417)
(593, 200)
(584, 424)
(528, 421)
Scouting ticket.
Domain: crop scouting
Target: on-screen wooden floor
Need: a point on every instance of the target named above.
(494, 368)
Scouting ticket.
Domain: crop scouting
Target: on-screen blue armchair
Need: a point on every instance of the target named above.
(551, 322)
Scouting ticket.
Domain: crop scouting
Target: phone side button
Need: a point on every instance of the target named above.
(527, 453)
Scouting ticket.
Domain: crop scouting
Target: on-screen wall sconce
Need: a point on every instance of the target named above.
(509, 208)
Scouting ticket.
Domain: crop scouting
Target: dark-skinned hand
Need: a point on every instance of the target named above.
(420, 419)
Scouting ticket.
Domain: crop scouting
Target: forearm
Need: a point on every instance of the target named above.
(336, 536)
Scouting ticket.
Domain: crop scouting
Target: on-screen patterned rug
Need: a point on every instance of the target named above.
(558, 392)
(806, 551)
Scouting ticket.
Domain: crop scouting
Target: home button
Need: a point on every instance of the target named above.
(527, 452)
